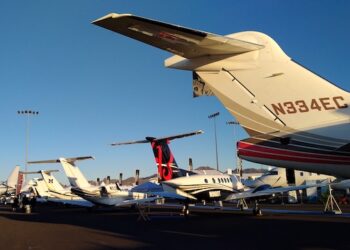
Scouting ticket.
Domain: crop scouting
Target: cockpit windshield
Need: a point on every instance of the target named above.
(271, 172)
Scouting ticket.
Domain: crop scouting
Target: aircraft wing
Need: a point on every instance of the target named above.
(185, 42)
(270, 191)
(79, 203)
(169, 195)
(136, 201)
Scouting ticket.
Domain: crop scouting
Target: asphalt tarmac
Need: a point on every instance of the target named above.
(51, 227)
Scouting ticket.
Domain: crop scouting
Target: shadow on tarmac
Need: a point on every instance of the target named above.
(75, 228)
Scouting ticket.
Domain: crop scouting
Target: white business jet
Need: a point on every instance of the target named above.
(102, 195)
(191, 187)
(295, 118)
(49, 186)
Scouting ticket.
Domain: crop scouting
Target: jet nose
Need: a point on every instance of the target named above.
(256, 183)
(239, 185)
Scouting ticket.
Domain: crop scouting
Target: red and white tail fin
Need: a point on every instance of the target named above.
(19, 184)
(166, 163)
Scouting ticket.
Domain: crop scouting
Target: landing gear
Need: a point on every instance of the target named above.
(185, 210)
(257, 209)
(143, 212)
(332, 206)
(242, 204)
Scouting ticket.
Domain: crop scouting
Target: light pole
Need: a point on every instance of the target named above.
(216, 141)
(27, 113)
(238, 164)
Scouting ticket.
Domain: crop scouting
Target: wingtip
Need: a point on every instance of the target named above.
(200, 131)
(110, 16)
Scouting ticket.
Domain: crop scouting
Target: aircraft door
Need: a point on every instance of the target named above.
(290, 175)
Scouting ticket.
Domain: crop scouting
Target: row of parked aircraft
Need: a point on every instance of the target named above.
(295, 118)
(186, 186)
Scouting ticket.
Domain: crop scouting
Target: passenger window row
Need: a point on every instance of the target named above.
(219, 180)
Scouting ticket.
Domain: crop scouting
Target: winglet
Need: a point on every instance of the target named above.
(108, 16)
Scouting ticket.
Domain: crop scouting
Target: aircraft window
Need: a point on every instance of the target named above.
(272, 172)
(222, 180)
(205, 180)
(219, 180)
(229, 180)
(301, 173)
(213, 180)
(225, 180)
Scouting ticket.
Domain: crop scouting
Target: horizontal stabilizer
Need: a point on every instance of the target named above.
(151, 139)
(185, 42)
(73, 159)
(40, 171)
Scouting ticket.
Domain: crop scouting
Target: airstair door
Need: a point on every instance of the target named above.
(290, 175)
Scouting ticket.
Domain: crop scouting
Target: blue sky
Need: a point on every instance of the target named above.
(93, 87)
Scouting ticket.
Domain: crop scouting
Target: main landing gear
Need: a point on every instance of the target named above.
(257, 209)
(332, 206)
(185, 210)
(242, 204)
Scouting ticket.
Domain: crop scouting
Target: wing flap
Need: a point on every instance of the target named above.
(185, 42)
(136, 201)
(271, 191)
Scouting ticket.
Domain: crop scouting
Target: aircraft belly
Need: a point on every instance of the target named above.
(313, 160)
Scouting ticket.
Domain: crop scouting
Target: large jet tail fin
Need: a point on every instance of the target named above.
(75, 176)
(166, 163)
(13, 178)
(250, 74)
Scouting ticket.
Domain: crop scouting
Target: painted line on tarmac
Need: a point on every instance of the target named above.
(190, 234)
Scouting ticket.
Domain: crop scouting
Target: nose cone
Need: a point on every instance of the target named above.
(239, 185)
(255, 183)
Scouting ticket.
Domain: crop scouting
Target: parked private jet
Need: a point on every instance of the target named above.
(282, 177)
(50, 187)
(295, 118)
(102, 195)
(190, 186)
